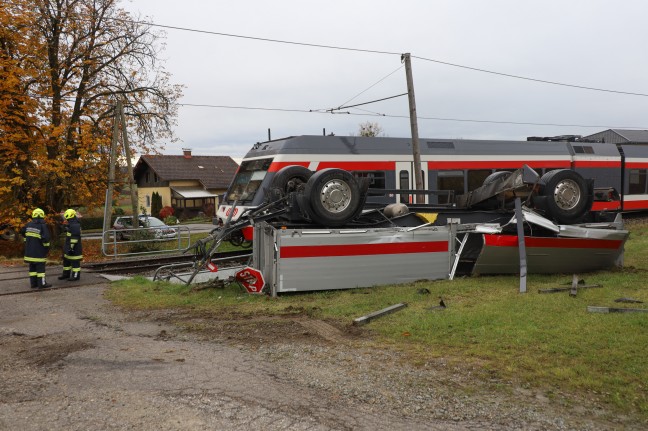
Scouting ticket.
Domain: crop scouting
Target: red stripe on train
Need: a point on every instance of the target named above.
(635, 205)
(494, 164)
(533, 242)
(606, 206)
(597, 164)
(288, 252)
(275, 166)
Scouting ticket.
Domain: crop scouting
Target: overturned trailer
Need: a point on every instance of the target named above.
(319, 235)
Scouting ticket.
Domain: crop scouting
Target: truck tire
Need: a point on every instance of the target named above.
(333, 197)
(290, 178)
(567, 195)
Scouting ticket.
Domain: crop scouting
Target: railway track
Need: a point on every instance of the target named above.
(123, 267)
(144, 265)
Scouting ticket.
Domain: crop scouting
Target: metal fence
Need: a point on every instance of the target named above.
(141, 241)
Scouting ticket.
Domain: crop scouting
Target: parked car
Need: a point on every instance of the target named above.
(124, 227)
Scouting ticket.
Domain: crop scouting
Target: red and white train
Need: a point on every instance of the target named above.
(450, 167)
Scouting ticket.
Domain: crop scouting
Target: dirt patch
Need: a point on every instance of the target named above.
(294, 326)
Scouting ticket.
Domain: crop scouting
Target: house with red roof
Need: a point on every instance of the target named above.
(188, 183)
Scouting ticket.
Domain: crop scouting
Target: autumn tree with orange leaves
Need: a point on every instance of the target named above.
(63, 66)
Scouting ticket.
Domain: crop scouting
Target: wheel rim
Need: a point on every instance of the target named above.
(335, 196)
(567, 194)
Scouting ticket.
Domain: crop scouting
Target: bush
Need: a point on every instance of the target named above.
(170, 220)
(12, 249)
(166, 212)
(156, 203)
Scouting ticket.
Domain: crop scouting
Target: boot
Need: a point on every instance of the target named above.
(65, 275)
(75, 276)
(33, 281)
(43, 284)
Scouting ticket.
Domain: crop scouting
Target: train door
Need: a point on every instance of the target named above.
(405, 180)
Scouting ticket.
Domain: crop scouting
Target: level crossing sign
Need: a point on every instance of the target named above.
(251, 279)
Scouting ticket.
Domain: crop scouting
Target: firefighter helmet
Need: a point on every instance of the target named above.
(38, 213)
(69, 214)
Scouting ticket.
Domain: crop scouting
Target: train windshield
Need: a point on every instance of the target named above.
(247, 181)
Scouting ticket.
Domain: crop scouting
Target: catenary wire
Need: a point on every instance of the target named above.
(315, 45)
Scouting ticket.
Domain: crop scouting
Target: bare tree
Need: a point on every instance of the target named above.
(370, 129)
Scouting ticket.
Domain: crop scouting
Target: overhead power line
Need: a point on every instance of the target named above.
(366, 103)
(315, 45)
(311, 111)
(543, 81)
(373, 51)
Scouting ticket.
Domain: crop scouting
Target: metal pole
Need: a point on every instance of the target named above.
(416, 152)
(519, 218)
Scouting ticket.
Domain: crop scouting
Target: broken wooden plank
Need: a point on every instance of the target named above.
(565, 289)
(594, 309)
(371, 316)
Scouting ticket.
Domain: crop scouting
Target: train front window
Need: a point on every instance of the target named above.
(247, 181)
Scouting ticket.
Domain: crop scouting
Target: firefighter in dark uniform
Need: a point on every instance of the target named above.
(37, 243)
(72, 251)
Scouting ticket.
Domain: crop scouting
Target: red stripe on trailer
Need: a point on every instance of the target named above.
(358, 166)
(495, 164)
(289, 252)
(532, 242)
(275, 166)
(606, 206)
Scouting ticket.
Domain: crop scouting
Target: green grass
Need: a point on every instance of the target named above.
(545, 341)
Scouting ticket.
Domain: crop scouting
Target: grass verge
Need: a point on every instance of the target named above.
(548, 342)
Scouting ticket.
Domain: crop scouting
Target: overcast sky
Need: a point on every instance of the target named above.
(590, 43)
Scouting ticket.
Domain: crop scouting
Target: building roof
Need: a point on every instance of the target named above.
(214, 172)
(633, 135)
(620, 135)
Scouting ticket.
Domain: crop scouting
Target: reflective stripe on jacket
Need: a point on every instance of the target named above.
(37, 240)
(73, 248)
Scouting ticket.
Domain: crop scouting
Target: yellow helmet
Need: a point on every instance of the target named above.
(69, 214)
(38, 213)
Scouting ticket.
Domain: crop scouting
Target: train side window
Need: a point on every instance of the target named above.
(637, 183)
(476, 177)
(376, 178)
(450, 180)
(404, 184)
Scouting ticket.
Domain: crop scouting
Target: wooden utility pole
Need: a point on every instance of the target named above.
(111, 171)
(129, 163)
(120, 120)
(416, 152)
